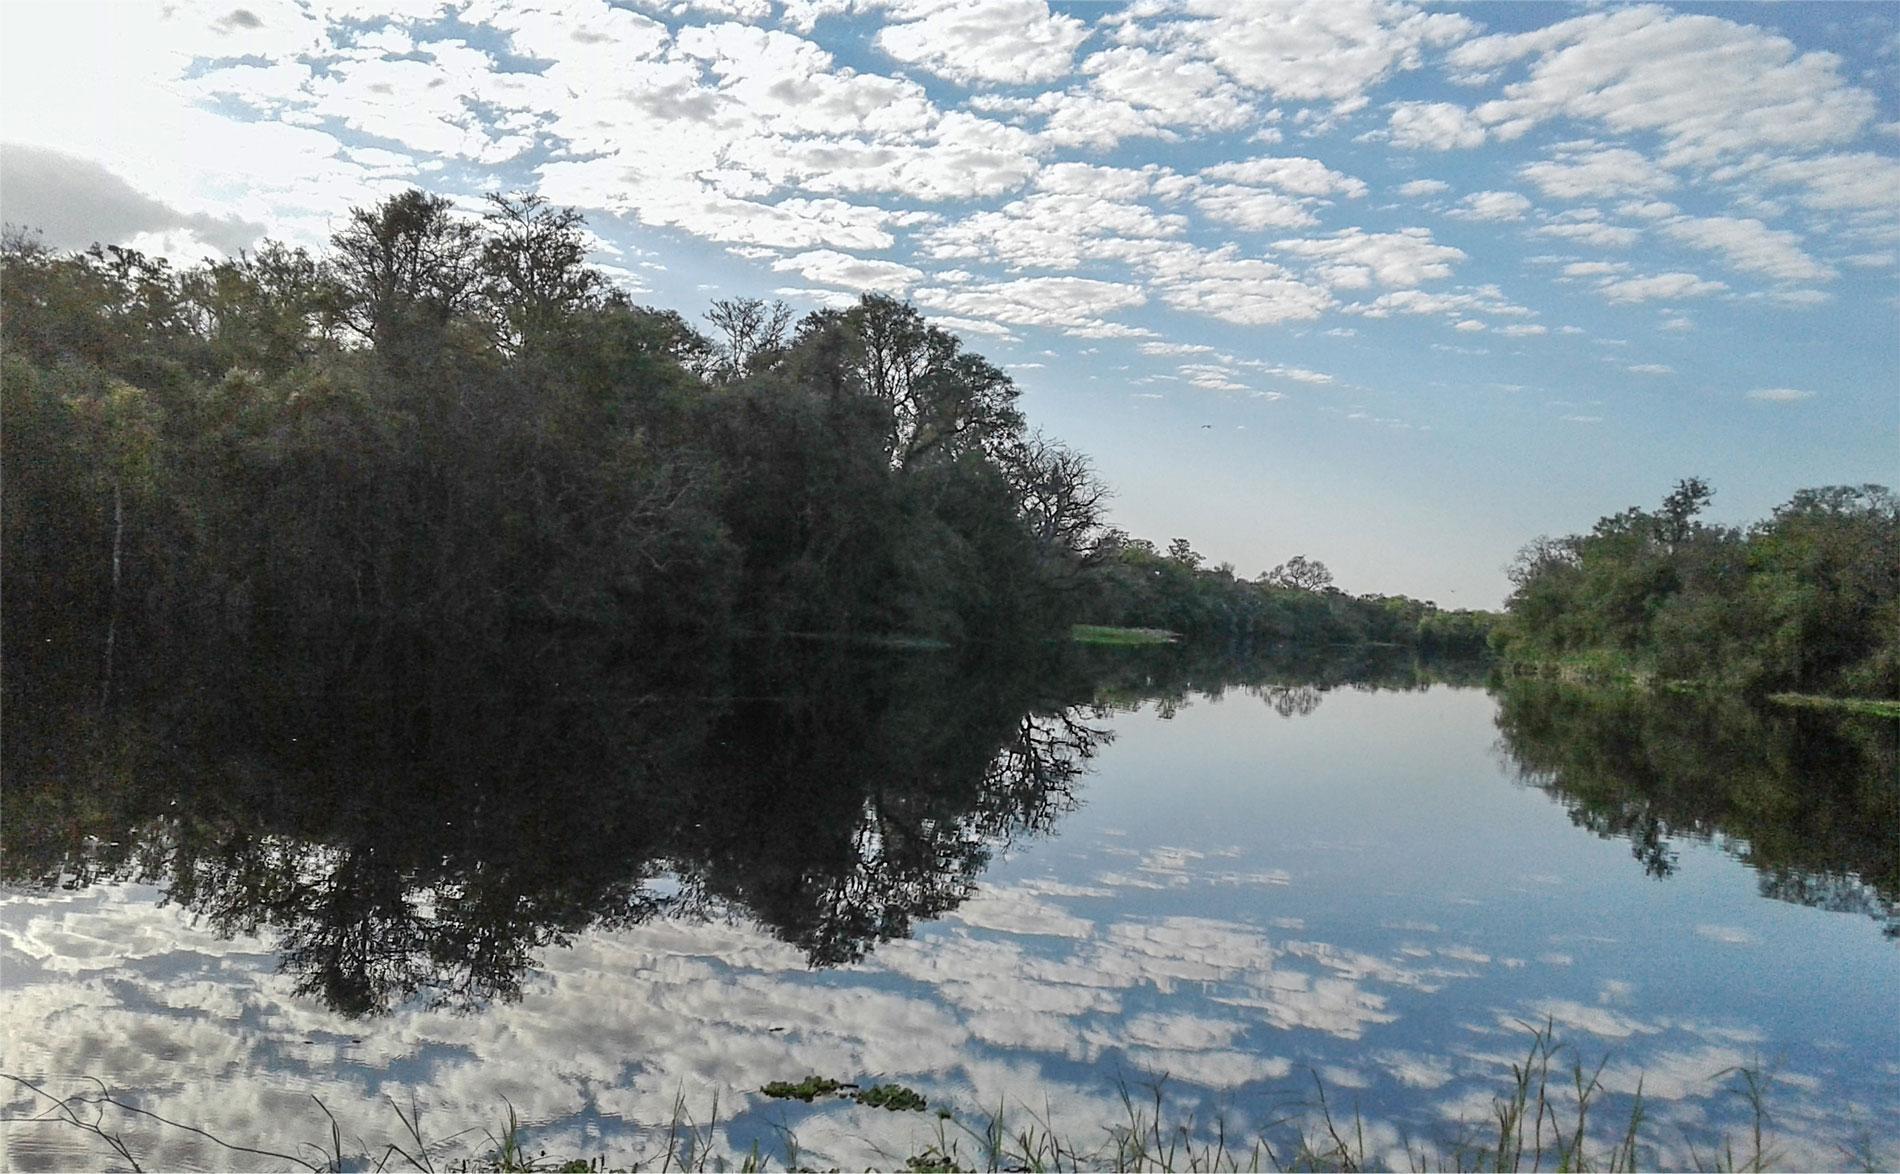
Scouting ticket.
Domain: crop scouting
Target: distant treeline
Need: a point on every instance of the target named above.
(451, 426)
(1136, 585)
(1807, 600)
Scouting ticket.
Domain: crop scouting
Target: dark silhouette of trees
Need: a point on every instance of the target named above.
(1300, 574)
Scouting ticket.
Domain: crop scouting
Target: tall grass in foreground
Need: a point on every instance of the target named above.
(1541, 1120)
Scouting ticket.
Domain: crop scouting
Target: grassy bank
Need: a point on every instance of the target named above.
(1863, 706)
(1103, 634)
(1613, 669)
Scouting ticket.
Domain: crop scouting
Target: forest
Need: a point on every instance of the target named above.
(1804, 601)
(451, 427)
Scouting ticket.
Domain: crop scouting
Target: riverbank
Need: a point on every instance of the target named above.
(1614, 670)
(1107, 635)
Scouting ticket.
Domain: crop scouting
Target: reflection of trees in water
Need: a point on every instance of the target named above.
(1292, 681)
(1291, 700)
(434, 838)
(1811, 801)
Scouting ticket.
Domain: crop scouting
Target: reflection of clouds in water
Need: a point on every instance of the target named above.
(1047, 887)
(1331, 1005)
(1464, 954)
(1180, 1032)
(625, 1024)
(1615, 990)
(1598, 1021)
(1016, 912)
(1727, 934)
(1273, 877)
(629, 1022)
(75, 936)
(1414, 1070)
(1173, 868)
(1218, 1069)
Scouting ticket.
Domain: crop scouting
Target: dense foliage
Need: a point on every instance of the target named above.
(1137, 585)
(451, 425)
(1806, 600)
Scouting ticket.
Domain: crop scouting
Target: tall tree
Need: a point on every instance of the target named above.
(404, 269)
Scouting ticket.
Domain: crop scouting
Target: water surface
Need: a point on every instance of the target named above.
(597, 897)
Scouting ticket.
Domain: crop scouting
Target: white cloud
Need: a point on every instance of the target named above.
(1492, 206)
(1252, 209)
(1175, 348)
(1484, 299)
(1417, 188)
(1061, 302)
(1647, 209)
(1585, 226)
(1660, 286)
(1780, 395)
(1595, 268)
(1133, 90)
(1295, 174)
(1353, 258)
(1706, 86)
(1249, 292)
(1861, 189)
(1750, 246)
(1010, 42)
(1438, 126)
(1319, 50)
(829, 267)
(1052, 230)
(1592, 172)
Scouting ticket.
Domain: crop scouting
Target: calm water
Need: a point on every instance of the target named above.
(1016, 887)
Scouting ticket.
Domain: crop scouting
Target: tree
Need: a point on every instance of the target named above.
(752, 333)
(1062, 502)
(534, 269)
(943, 401)
(1675, 522)
(264, 311)
(1300, 573)
(404, 269)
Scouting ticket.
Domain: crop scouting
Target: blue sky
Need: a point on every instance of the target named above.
(1393, 286)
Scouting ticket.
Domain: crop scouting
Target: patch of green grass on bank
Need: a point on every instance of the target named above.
(1596, 666)
(1103, 634)
(1863, 706)
(1613, 669)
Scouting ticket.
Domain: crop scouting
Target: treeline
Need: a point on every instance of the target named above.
(1134, 584)
(453, 424)
(1807, 600)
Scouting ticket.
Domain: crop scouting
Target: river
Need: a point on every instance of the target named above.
(618, 908)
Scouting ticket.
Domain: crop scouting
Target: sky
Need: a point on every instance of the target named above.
(1393, 286)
